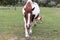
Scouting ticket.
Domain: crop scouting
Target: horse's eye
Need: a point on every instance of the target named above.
(32, 18)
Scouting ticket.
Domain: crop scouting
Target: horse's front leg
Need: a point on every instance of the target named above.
(30, 31)
(26, 30)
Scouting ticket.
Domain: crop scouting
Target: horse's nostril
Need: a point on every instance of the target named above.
(27, 27)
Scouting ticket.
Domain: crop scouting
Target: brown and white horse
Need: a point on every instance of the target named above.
(31, 12)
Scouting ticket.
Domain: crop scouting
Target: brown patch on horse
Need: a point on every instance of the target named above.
(32, 18)
(28, 8)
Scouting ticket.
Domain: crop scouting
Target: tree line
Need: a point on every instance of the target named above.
(50, 3)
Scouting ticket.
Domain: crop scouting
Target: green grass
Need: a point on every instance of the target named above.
(12, 24)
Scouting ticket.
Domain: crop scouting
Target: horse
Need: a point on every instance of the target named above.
(31, 12)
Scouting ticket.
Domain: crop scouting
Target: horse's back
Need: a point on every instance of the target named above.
(36, 11)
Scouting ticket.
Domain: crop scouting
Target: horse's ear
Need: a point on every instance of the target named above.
(33, 8)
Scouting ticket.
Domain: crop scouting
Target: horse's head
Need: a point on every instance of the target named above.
(28, 14)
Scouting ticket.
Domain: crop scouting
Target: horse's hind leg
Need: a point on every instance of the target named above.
(40, 19)
(35, 22)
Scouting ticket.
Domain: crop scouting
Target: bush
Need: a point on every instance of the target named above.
(52, 3)
(8, 2)
(58, 5)
(42, 2)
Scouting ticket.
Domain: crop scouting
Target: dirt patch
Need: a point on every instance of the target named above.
(58, 12)
(8, 37)
(14, 37)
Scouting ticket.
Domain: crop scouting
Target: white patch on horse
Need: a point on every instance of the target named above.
(29, 1)
(28, 22)
(36, 10)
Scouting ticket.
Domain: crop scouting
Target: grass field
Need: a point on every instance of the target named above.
(12, 25)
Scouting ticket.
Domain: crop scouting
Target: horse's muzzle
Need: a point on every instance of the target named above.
(28, 26)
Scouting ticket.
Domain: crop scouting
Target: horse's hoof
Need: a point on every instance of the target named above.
(30, 33)
(27, 38)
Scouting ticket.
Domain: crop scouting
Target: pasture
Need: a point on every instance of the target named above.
(12, 24)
